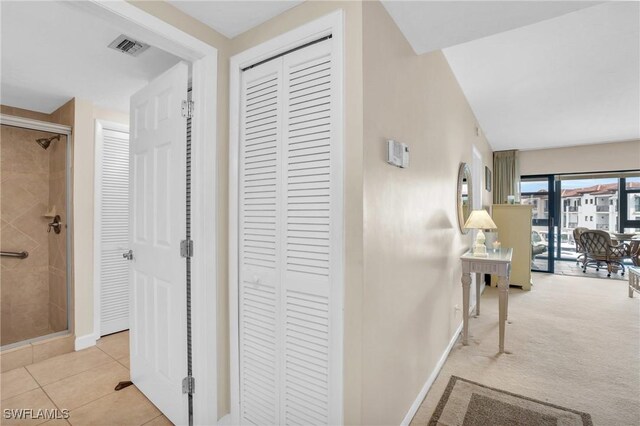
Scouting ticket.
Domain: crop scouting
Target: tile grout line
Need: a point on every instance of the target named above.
(114, 358)
(156, 417)
(92, 401)
(41, 387)
(49, 396)
(32, 376)
(109, 394)
(44, 392)
(128, 369)
(72, 375)
(22, 393)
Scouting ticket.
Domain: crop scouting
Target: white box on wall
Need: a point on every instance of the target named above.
(397, 154)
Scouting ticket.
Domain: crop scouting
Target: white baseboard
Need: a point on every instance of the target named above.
(86, 341)
(432, 378)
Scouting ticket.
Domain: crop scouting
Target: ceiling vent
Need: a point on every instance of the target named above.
(128, 45)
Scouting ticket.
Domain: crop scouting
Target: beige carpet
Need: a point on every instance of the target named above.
(575, 342)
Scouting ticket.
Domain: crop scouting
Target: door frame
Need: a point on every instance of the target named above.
(99, 127)
(204, 184)
(554, 213)
(330, 24)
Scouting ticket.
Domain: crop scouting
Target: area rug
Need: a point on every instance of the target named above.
(466, 403)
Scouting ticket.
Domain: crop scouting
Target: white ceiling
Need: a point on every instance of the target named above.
(571, 80)
(231, 18)
(434, 25)
(54, 51)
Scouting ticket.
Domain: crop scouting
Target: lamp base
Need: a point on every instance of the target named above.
(479, 249)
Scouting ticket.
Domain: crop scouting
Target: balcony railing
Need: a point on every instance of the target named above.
(602, 226)
(572, 208)
(573, 224)
(602, 209)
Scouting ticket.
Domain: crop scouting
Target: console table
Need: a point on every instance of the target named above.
(497, 262)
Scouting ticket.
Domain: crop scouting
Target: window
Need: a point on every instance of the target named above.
(630, 204)
(590, 218)
(586, 218)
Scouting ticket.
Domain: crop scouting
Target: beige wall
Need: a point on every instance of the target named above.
(412, 242)
(586, 158)
(25, 113)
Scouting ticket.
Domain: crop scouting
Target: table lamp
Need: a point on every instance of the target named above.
(480, 219)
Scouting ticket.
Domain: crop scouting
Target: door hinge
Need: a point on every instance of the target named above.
(189, 385)
(186, 248)
(187, 109)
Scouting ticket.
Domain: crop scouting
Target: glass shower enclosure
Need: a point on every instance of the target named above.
(35, 233)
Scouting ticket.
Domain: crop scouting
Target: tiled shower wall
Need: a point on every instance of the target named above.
(32, 290)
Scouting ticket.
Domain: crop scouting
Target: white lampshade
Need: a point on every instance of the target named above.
(480, 219)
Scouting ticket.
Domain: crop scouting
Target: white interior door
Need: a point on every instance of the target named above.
(112, 218)
(158, 224)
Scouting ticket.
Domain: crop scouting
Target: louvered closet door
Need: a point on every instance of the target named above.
(311, 163)
(114, 232)
(259, 243)
(288, 244)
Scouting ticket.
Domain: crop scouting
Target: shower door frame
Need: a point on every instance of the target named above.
(60, 129)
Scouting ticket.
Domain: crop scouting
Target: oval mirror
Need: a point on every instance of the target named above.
(465, 195)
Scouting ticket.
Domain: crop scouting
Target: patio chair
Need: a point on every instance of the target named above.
(599, 249)
(582, 256)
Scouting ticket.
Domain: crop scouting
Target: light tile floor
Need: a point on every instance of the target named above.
(82, 382)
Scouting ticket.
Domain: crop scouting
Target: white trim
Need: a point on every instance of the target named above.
(28, 123)
(332, 23)
(203, 57)
(99, 127)
(86, 341)
(431, 379)
(204, 231)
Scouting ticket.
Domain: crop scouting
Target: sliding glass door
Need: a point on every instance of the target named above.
(539, 192)
(587, 203)
(561, 203)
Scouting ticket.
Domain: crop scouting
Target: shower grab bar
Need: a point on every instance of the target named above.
(19, 255)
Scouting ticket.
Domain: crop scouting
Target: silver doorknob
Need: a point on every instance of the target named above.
(128, 255)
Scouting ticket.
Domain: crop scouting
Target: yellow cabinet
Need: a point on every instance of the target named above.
(514, 231)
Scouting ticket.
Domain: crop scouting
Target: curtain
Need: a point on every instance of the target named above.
(506, 176)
